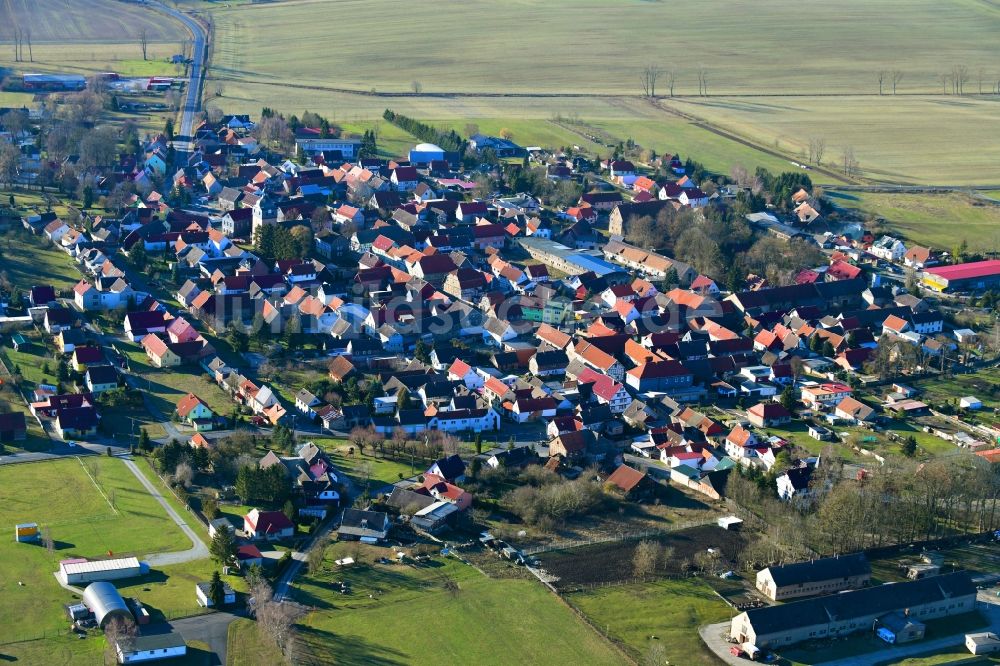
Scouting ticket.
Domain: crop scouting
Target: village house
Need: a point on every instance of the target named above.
(267, 525)
(192, 410)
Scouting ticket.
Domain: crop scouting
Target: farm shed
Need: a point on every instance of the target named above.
(73, 572)
(13, 427)
(982, 643)
(425, 153)
(203, 593)
(730, 522)
(970, 402)
(153, 647)
(26, 532)
(105, 603)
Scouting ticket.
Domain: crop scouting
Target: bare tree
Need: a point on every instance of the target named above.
(276, 621)
(944, 79)
(119, 632)
(881, 75)
(650, 74)
(849, 161)
(817, 146)
(184, 475)
(143, 42)
(671, 79)
(9, 161)
(417, 87)
(702, 82)
(959, 77)
(982, 77)
(896, 76)
(646, 558)
(31, 56)
(314, 558)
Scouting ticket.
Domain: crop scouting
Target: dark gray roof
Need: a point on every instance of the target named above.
(148, 642)
(826, 568)
(860, 603)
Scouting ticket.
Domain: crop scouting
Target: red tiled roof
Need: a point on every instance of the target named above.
(626, 478)
(967, 271)
(188, 403)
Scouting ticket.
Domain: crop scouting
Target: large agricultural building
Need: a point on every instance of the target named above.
(74, 572)
(105, 603)
(973, 276)
(823, 576)
(565, 259)
(56, 82)
(859, 610)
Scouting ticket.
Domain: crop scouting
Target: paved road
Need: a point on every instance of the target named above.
(714, 636)
(198, 549)
(192, 102)
(212, 629)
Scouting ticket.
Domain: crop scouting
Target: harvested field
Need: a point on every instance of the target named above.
(612, 562)
(61, 21)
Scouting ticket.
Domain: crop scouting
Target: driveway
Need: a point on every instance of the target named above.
(198, 549)
(212, 629)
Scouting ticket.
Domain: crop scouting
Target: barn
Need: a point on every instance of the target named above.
(105, 603)
(74, 572)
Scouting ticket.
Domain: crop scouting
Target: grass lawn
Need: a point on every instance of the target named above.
(114, 515)
(979, 383)
(940, 221)
(33, 260)
(797, 432)
(246, 647)
(671, 610)
(62, 650)
(28, 361)
(443, 611)
(168, 385)
(169, 590)
(379, 469)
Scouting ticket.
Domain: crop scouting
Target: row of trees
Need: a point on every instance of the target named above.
(448, 140)
(262, 485)
(277, 242)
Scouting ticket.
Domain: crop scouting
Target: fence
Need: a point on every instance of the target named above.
(624, 536)
(37, 636)
(616, 643)
(186, 504)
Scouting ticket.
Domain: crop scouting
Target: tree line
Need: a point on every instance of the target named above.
(449, 140)
(895, 503)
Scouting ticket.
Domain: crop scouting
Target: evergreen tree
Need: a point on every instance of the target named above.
(788, 400)
(422, 352)
(145, 443)
(239, 340)
(217, 590)
(402, 399)
(223, 546)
